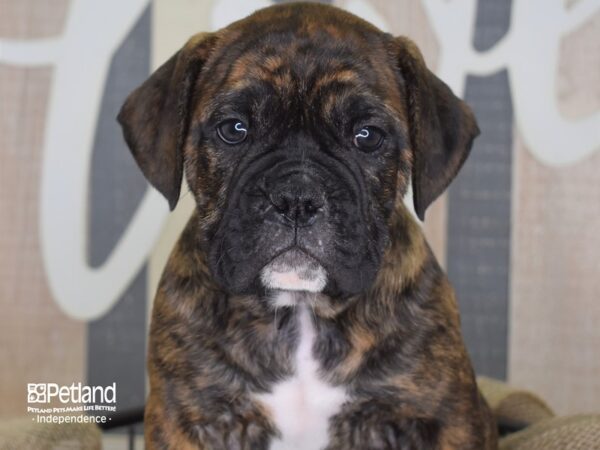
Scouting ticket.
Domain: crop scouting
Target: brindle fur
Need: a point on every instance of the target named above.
(396, 345)
(397, 349)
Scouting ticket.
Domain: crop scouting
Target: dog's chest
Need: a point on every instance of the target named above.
(302, 405)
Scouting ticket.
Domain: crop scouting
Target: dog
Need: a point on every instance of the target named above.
(302, 307)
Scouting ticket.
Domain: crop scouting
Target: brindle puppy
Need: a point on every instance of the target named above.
(302, 307)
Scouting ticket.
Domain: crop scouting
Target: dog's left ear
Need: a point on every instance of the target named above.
(155, 117)
(441, 126)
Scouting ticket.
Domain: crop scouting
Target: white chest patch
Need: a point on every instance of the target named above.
(302, 405)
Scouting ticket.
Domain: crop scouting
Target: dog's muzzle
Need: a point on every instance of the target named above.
(297, 224)
(297, 203)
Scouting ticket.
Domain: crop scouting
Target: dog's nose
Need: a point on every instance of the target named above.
(298, 204)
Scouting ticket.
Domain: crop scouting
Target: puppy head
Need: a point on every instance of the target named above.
(297, 128)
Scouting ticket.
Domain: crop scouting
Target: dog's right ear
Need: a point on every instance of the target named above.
(155, 117)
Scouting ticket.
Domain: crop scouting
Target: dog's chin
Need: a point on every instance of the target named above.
(294, 271)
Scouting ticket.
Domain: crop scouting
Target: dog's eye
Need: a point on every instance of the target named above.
(232, 131)
(369, 139)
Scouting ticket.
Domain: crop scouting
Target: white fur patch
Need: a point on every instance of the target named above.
(294, 271)
(284, 298)
(302, 405)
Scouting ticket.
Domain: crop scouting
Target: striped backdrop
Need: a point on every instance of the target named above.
(518, 231)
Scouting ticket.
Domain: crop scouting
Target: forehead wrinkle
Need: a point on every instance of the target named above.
(236, 50)
(348, 96)
(272, 63)
(246, 66)
(341, 77)
(275, 70)
(330, 101)
(246, 97)
(300, 52)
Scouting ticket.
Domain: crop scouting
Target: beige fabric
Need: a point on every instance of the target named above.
(555, 284)
(38, 342)
(32, 19)
(513, 405)
(24, 434)
(580, 432)
(545, 432)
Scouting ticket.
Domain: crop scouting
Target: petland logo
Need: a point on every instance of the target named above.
(76, 393)
(83, 404)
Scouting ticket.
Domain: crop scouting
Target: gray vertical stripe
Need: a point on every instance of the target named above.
(117, 345)
(117, 185)
(493, 21)
(479, 227)
(479, 208)
(116, 342)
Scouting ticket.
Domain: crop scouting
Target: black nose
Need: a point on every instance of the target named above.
(298, 203)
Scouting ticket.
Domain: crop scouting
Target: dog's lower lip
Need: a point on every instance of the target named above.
(299, 249)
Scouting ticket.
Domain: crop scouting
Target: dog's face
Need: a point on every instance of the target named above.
(297, 129)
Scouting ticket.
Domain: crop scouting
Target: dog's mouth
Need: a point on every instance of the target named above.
(294, 270)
